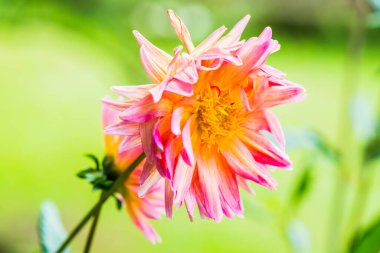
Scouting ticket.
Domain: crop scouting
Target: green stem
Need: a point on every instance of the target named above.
(365, 182)
(93, 227)
(119, 181)
(350, 79)
(378, 110)
(335, 219)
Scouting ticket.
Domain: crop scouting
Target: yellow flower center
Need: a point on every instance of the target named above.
(219, 116)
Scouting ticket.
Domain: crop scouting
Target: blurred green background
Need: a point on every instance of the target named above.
(59, 58)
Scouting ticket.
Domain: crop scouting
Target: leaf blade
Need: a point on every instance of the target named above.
(51, 232)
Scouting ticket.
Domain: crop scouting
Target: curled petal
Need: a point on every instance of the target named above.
(234, 35)
(146, 109)
(252, 53)
(255, 50)
(182, 83)
(180, 88)
(109, 115)
(142, 209)
(157, 53)
(133, 91)
(244, 184)
(186, 139)
(277, 95)
(117, 105)
(209, 41)
(181, 30)
(149, 175)
(229, 191)
(160, 132)
(157, 135)
(146, 130)
(141, 223)
(176, 62)
(123, 159)
(190, 203)
(256, 121)
(218, 54)
(244, 99)
(154, 200)
(174, 65)
(208, 180)
(182, 179)
(158, 90)
(153, 56)
(214, 65)
(153, 66)
(274, 127)
(176, 120)
(272, 47)
(168, 199)
(150, 181)
(241, 160)
(267, 121)
(172, 150)
(188, 73)
(130, 142)
(270, 71)
(264, 151)
(122, 128)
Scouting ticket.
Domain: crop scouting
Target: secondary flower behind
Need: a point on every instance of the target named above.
(201, 120)
(139, 209)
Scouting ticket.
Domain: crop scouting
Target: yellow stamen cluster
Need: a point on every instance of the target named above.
(219, 117)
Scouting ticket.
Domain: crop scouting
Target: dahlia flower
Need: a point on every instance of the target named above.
(139, 209)
(201, 120)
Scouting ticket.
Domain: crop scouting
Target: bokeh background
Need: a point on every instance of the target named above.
(59, 58)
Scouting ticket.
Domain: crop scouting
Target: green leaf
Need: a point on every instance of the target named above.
(107, 163)
(372, 149)
(375, 4)
(368, 241)
(362, 115)
(325, 148)
(109, 168)
(119, 203)
(302, 186)
(298, 236)
(305, 139)
(374, 19)
(100, 178)
(51, 232)
(88, 174)
(94, 159)
(101, 184)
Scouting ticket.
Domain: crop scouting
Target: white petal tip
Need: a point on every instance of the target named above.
(138, 37)
(244, 21)
(267, 33)
(177, 50)
(141, 193)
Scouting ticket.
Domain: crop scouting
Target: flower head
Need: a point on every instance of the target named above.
(139, 209)
(201, 120)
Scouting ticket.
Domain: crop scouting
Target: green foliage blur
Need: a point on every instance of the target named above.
(59, 58)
